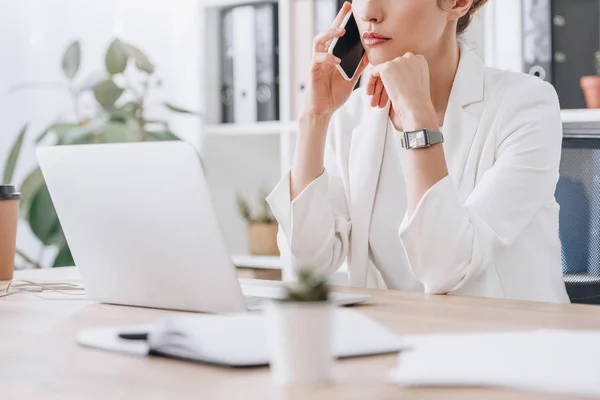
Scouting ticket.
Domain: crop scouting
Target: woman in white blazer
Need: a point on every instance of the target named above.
(474, 215)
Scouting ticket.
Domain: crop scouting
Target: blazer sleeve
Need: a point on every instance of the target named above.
(463, 238)
(314, 228)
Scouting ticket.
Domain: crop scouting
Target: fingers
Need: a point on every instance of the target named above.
(322, 41)
(376, 97)
(341, 15)
(364, 63)
(384, 99)
(325, 58)
(371, 85)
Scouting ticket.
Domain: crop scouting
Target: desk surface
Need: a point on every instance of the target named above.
(40, 359)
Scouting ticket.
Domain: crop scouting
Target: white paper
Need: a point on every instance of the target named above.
(562, 362)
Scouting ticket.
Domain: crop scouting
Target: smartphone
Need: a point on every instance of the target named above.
(348, 48)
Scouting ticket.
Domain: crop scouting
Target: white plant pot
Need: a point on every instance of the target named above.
(299, 337)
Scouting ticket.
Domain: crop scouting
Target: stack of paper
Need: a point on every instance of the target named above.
(562, 362)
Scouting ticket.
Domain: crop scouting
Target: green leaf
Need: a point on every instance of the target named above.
(123, 114)
(141, 61)
(75, 135)
(131, 108)
(42, 217)
(60, 129)
(117, 132)
(29, 188)
(91, 81)
(107, 93)
(116, 57)
(64, 257)
(13, 157)
(180, 110)
(72, 60)
(86, 138)
(160, 136)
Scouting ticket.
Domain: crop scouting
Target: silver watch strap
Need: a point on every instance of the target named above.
(421, 139)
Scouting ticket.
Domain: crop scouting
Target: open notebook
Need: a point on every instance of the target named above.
(234, 340)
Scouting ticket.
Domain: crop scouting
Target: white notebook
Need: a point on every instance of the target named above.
(560, 362)
(236, 340)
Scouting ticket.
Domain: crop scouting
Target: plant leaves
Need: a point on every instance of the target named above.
(180, 110)
(72, 60)
(78, 134)
(116, 57)
(91, 81)
(60, 129)
(160, 136)
(123, 114)
(107, 93)
(30, 186)
(13, 157)
(117, 132)
(86, 138)
(64, 257)
(141, 60)
(42, 217)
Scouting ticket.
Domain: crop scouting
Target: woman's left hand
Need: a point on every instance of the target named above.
(405, 81)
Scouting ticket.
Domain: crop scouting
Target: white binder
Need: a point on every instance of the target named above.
(302, 43)
(244, 65)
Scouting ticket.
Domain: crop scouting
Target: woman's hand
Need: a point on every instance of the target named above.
(405, 80)
(328, 89)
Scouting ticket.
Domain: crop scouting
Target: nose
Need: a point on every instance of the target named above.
(371, 11)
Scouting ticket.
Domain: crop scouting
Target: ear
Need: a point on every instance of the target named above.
(458, 8)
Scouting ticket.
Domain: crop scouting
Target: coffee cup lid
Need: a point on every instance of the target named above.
(8, 192)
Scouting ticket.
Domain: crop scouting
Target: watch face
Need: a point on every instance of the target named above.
(417, 139)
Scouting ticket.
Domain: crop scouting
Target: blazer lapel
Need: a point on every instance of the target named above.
(366, 155)
(463, 113)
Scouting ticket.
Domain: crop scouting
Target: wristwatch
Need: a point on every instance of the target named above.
(421, 138)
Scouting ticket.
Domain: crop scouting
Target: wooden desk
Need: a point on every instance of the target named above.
(39, 358)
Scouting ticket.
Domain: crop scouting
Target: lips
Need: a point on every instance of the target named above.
(374, 39)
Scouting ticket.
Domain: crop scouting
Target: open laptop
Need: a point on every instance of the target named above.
(142, 230)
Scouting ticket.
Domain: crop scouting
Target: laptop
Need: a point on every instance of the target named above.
(141, 227)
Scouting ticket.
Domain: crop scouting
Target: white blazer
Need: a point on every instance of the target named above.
(490, 228)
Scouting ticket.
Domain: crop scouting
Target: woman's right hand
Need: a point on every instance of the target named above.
(328, 89)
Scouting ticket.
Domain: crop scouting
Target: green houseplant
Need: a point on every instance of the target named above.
(262, 226)
(110, 109)
(300, 332)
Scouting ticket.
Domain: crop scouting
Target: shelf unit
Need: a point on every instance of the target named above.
(274, 263)
(210, 81)
(254, 155)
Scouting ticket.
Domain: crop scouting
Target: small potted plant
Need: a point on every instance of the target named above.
(262, 227)
(591, 85)
(299, 327)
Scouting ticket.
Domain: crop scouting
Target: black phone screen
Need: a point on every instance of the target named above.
(349, 48)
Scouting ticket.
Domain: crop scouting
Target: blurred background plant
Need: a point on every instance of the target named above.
(264, 214)
(111, 108)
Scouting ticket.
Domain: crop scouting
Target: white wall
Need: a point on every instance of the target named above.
(35, 34)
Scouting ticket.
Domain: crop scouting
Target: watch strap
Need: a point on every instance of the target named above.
(422, 138)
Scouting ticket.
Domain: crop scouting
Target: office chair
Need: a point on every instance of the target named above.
(578, 194)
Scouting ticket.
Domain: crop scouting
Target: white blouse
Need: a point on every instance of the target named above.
(386, 251)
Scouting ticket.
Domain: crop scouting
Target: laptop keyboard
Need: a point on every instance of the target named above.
(255, 301)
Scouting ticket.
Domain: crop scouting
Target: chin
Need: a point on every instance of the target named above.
(377, 56)
(380, 54)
